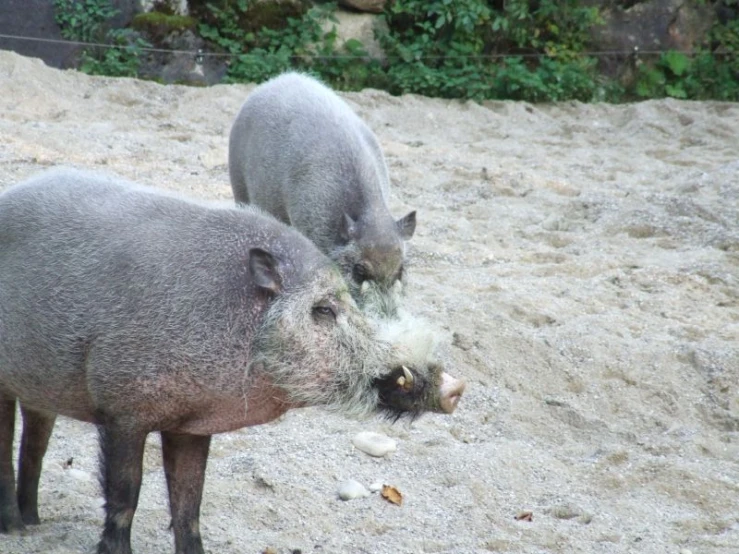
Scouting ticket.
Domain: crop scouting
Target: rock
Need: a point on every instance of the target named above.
(374, 444)
(182, 68)
(463, 342)
(351, 489)
(79, 474)
(566, 511)
(375, 487)
(35, 19)
(358, 26)
(178, 7)
(372, 6)
(651, 25)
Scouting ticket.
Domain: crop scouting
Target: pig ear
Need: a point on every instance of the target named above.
(407, 225)
(263, 268)
(349, 228)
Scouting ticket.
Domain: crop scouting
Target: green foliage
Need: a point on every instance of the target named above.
(89, 21)
(260, 53)
(348, 69)
(532, 50)
(265, 43)
(123, 61)
(460, 49)
(83, 20)
(711, 73)
(160, 23)
(700, 77)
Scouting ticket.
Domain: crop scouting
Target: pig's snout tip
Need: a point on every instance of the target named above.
(451, 392)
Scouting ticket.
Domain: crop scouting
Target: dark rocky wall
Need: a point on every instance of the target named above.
(35, 19)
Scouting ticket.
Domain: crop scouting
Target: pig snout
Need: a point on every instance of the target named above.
(450, 392)
(410, 392)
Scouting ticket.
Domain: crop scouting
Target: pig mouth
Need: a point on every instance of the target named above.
(406, 393)
(402, 393)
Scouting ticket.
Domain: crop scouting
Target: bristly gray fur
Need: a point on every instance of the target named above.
(142, 311)
(299, 151)
(106, 286)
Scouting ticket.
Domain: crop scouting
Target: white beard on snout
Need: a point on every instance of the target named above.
(412, 339)
(331, 366)
(379, 302)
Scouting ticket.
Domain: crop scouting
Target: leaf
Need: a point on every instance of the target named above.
(677, 62)
(525, 515)
(676, 91)
(391, 494)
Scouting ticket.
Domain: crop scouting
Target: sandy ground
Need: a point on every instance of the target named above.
(583, 264)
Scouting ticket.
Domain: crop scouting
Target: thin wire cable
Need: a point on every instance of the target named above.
(205, 54)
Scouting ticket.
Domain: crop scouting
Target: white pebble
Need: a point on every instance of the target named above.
(352, 489)
(79, 474)
(374, 444)
(375, 487)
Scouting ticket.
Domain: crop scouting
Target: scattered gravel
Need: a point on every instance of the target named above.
(586, 257)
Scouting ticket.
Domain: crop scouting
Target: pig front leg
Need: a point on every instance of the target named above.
(185, 458)
(10, 516)
(122, 453)
(37, 429)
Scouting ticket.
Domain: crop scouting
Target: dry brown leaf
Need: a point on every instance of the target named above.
(525, 516)
(391, 494)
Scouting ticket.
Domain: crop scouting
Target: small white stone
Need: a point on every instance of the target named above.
(375, 487)
(374, 444)
(79, 474)
(352, 489)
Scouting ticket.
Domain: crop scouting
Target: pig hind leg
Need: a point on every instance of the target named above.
(10, 515)
(121, 461)
(37, 429)
(185, 458)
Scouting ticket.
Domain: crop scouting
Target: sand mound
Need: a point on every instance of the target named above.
(584, 263)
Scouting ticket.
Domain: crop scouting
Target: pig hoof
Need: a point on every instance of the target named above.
(31, 519)
(11, 525)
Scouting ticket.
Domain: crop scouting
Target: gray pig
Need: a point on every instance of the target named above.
(141, 311)
(298, 151)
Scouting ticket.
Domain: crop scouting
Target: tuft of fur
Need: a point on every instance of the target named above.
(357, 355)
(414, 339)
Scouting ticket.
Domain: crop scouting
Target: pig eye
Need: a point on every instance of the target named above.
(324, 312)
(360, 273)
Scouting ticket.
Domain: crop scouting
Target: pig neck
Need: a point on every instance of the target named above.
(237, 392)
(260, 401)
(364, 199)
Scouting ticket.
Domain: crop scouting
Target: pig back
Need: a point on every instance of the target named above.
(300, 152)
(146, 279)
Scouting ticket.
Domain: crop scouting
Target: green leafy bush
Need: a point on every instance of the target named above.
(710, 73)
(83, 20)
(461, 49)
(263, 43)
(266, 43)
(532, 50)
(89, 21)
